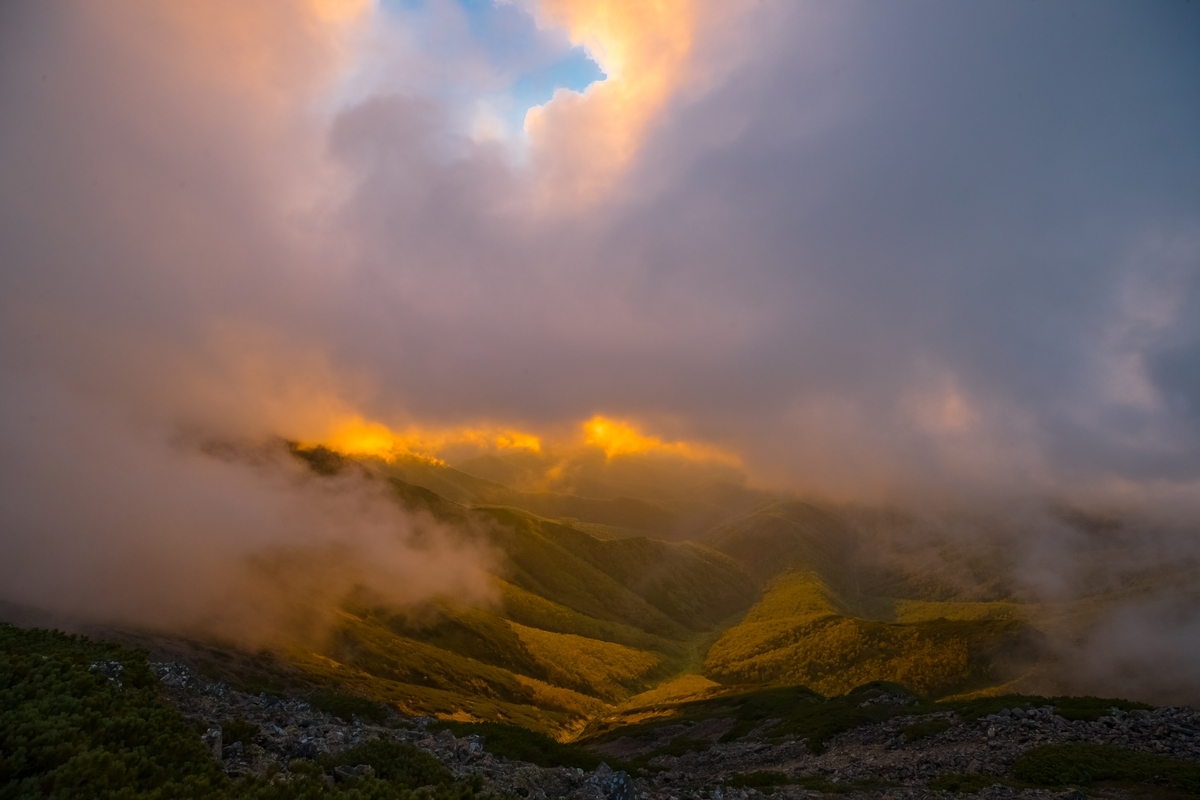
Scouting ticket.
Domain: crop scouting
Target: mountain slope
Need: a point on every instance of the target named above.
(785, 534)
(799, 635)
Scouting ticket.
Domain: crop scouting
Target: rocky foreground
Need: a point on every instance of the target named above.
(882, 760)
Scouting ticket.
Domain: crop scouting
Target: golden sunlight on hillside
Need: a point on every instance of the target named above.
(354, 435)
(617, 438)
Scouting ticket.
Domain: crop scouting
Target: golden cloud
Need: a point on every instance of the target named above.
(585, 139)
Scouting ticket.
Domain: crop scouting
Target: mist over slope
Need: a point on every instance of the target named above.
(812, 339)
(582, 620)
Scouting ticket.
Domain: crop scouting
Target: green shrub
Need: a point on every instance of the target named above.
(397, 762)
(819, 722)
(522, 744)
(963, 784)
(1092, 708)
(925, 729)
(759, 780)
(681, 745)
(1076, 764)
(346, 707)
(81, 718)
(817, 783)
(1073, 708)
(238, 730)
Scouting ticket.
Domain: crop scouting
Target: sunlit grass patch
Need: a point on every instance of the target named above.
(603, 669)
(803, 633)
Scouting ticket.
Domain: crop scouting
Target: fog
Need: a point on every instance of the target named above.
(935, 257)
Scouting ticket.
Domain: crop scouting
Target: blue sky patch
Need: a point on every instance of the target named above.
(526, 64)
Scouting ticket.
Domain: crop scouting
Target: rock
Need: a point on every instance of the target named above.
(290, 728)
(469, 748)
(109, 669)
(212, 740)
(612, 784)
(304, 748)
(344, 773)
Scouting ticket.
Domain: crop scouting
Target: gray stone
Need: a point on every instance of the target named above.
(345, 773)
(212, 740)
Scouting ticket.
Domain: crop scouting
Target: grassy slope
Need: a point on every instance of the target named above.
(586, 624)
(783, 535)
(587, 627)
(581, 623)
(817, 627)
(803, 633)
(462, 487)
(80, 718)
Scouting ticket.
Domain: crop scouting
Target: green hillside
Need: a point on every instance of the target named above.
(668, 500)
(781, 535)
(580, 623)
(594, 619)
(801, 635)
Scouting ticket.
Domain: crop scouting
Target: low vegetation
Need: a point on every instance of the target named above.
(1079, 764)
(238, 730)
(802, 633)
(522, 744)
(762, 779)
(83, 719)
(1071, 708)
(780, 713)
(76, 714)
(1083, 765)
(396, 762)
(349, 707)
(964, 784)
(925, 729)
(767, 782)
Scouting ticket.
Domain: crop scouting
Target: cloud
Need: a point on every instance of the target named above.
(937, 255)
(109, 521)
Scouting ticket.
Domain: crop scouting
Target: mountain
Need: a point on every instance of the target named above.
(83, 718)
(605, 614)
(601, 606)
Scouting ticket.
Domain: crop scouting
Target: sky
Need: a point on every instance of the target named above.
(930, 252)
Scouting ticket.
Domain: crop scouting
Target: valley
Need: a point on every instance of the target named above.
(612, 615)
(785, 649)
